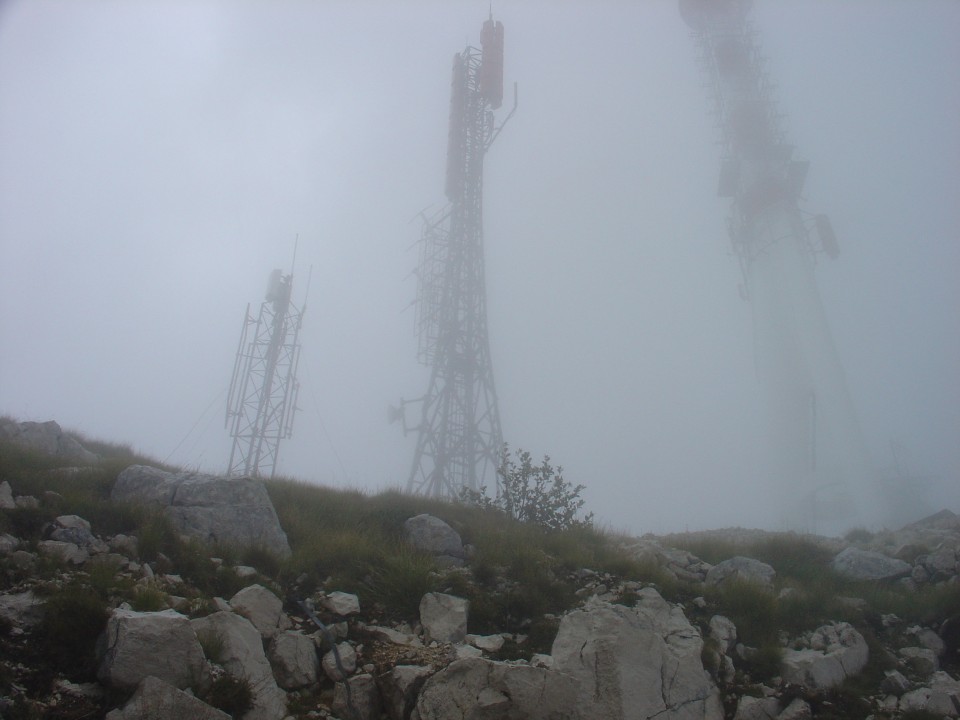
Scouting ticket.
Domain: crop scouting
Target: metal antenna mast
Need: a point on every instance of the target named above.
(460, 439)
(815, 446)
(263, 391)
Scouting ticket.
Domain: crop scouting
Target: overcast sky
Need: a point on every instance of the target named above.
(158, 159)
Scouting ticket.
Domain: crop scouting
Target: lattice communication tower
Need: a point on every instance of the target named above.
(459, 436)
(263, 391)
(814, 444)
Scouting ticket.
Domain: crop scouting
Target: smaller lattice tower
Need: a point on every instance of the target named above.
(459, 436)
(263, 392)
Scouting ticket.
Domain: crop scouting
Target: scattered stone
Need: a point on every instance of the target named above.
(724, 632)
(444, 617)
(341, 603)
(399, 689)
(920, 660)
(741, 568)
(894, 683)
(347, 664)
(8, 543)
(487, 643)
(363, 700)
(755, 708)
(293, 657)
(262, 608)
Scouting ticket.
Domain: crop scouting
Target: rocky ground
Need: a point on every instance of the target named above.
(625, 650)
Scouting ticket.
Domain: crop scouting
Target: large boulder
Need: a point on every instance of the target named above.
(636, 663)
(855, 564)
(233, 511)
(136, 645)
(476, 689)
(432, 535)
(240, 652)
(46, 437)
(157, 700)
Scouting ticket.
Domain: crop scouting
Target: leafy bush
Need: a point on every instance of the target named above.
(531, 493)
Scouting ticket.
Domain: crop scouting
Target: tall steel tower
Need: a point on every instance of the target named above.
(815, 448)
(459, 436)
(263, 392)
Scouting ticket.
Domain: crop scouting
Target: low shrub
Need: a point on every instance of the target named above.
(234, 696)
(72, 621)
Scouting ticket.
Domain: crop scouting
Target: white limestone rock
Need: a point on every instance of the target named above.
(348, 662)
(444, 617)
(293, 657)
(487, 643)
(262, 608)
(724, 632)
(136, 645)
(234, 511)
(341, 603)
(855, 564)
(633, 663)
(241, 655)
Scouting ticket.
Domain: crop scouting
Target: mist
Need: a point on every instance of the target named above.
(158, 160)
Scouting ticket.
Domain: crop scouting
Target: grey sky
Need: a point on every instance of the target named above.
(157, 160)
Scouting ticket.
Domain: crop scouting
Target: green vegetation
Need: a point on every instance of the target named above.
(527, 552)
(531, 493)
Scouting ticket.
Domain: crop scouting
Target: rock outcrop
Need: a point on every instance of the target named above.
(634, 663)
(233, 511)
(47, 438)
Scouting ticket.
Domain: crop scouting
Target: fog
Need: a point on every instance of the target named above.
(158, 160)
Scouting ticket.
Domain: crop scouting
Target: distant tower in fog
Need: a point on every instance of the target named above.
(263, 392)
(459, 436)
(815, 452)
